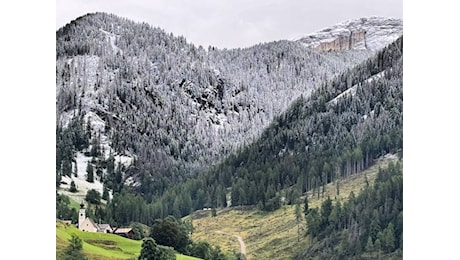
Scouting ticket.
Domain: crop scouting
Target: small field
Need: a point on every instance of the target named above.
(272, 235)
(101, 246)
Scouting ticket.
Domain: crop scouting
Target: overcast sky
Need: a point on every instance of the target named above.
(233, 23)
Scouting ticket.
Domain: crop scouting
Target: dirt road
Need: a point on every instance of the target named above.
(240, 240)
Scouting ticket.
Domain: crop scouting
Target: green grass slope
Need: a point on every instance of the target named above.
(97, 245)
(101, 246)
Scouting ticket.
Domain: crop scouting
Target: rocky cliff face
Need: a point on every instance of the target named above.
(363, 34)
(345, 41)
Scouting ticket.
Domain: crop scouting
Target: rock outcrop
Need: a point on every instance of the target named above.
(365, 33)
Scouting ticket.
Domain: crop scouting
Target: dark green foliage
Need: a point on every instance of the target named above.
(105, 193)
(93, 196)
(201, 249)
(306, 209)
(73, 251)
(125, 208)
(369, 245)
(90, 173)
(73, 188)
(63, 211)
(314, 222)
(326, 209)
(204, 250)
(152, 251)
(138, 231)
(358, 231)
(171, 232)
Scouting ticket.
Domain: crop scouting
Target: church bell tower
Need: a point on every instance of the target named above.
(81, 215)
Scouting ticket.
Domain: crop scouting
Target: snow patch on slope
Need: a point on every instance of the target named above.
(80, 180)
(352, 90)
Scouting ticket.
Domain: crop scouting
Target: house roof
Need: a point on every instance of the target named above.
(103, 227)
(122, 230)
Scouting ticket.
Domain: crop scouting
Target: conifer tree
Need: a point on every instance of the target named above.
(89, 173)
(305, 205)
(73, 187)
(73, 251)
(369, 245)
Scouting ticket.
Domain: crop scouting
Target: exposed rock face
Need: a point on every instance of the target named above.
(340, 43)
(366, 33)
(343, 42)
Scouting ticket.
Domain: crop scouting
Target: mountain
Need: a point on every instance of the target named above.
(346, 125)
(337, 131)
(146, 108)
(371, 33)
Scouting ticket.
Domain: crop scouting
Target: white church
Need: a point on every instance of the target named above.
(87, 224)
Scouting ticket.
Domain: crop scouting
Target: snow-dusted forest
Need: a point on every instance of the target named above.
(176, 108)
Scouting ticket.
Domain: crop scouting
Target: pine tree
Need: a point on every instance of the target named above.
(344, 244)
(369, 245)
(377, 245)
(73, 251)
(75, 171)
(105, 194)
(90, 173)
(73, 187)
(313, 222)
(388, 244)
(305, 205)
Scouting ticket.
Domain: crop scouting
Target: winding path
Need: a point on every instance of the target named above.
(240, 240)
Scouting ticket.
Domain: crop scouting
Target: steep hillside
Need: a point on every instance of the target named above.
(340, 129)
(147, 109)
(366, 226)
(277, 234)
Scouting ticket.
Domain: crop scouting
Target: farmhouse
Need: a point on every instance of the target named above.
(124, 232)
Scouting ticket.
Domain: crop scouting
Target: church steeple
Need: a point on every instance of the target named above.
(81, 215)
